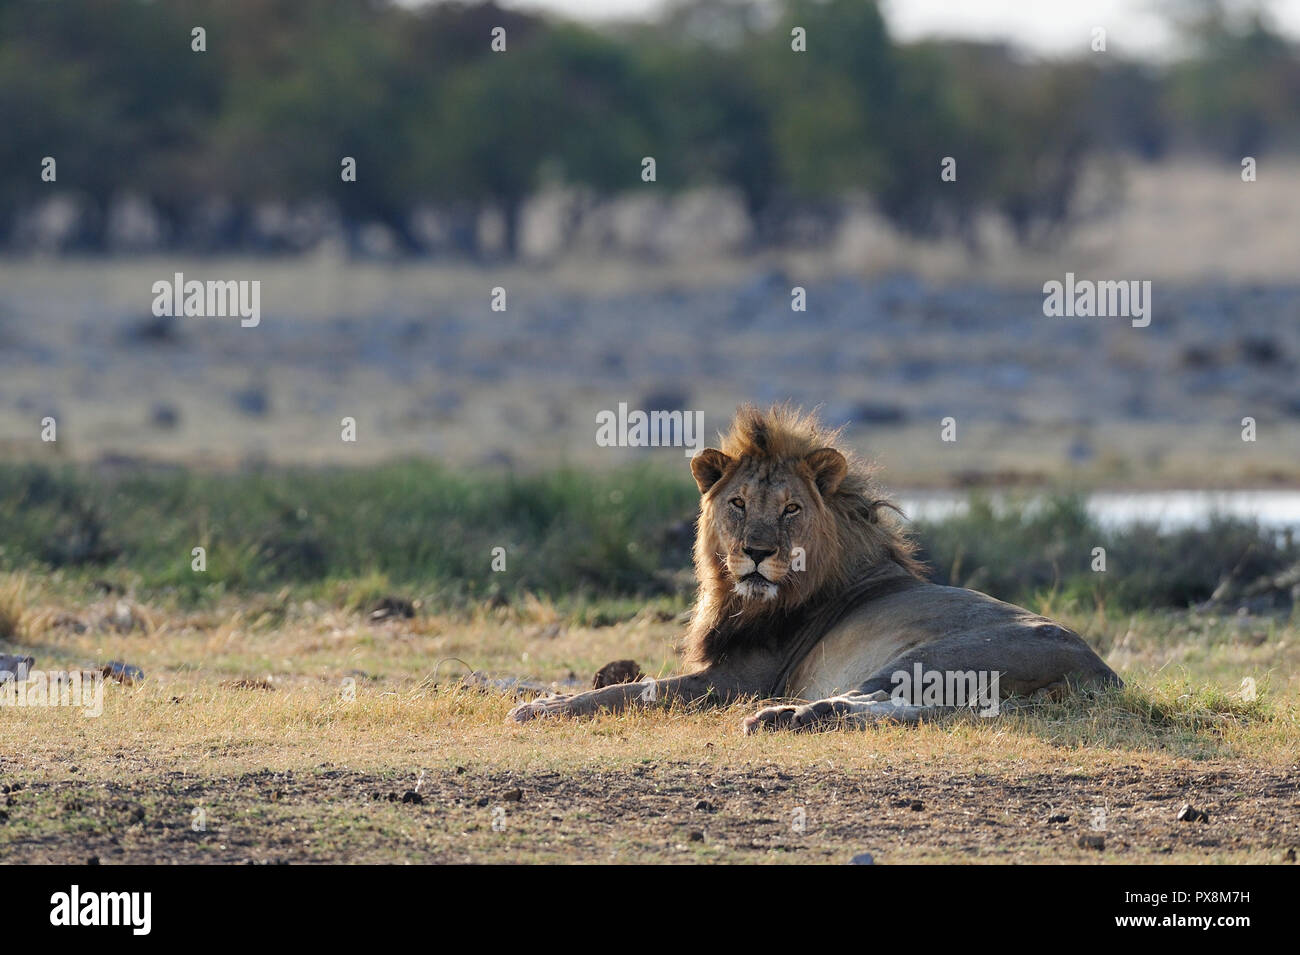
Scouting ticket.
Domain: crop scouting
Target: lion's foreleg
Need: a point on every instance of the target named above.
(849, 711)
(707, 686)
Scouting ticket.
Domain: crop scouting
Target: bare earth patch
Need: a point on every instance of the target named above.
(668, 812)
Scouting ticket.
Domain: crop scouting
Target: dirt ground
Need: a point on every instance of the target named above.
(666, 812)
(328, 737)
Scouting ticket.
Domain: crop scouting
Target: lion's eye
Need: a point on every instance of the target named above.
(792, 508)
(737, 503)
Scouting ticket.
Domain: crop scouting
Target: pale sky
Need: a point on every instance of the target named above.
(1043, 26)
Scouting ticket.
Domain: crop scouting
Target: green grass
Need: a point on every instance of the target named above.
(405, 524)
(1022, 553)
(612, 539)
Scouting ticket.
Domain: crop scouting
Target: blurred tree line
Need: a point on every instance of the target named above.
(712, 89)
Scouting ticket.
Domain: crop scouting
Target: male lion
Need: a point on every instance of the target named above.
(810, 590)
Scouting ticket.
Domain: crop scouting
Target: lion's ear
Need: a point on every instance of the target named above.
(829, 468)
(708, 466)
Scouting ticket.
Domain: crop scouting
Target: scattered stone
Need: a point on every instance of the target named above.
(696, 835)
(705, 806)
(412, 796)
(877, 413)
(1059, 817)
(1189, 813)
(387, 607)
(93, 860)
(514, 795)
(125, 673)
(617, 671)
(12, 667)
(252, 401)
(862, 858)
(916, 805)
(153, 330)
(164, 417)
(1092, 840)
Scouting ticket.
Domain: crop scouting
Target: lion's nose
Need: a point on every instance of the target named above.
(759, 554)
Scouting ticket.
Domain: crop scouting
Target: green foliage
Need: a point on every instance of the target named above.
(566, 534)
(563, 532)
(712, 89)
(1021, 551)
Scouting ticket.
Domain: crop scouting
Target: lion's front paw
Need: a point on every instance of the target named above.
(802, 718)
(555, 705)
(769, 717)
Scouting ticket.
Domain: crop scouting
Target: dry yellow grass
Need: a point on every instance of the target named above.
(300, 766)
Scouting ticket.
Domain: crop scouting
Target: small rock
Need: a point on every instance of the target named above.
(388, 607)
(862, 858)
(93, 860)
(618, 671)
(696, 835)
(916, 805)
(164, 417)
(14, 666)
(124, 673)
(1092, 840)
(705, 806)
(412, 796)
(1189, 813)
(1059, 817)
(514, 795)
(252, 401)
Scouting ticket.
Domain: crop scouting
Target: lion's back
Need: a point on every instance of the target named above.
(883, 630)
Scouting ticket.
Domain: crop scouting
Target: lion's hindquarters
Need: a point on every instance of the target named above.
(946, 635)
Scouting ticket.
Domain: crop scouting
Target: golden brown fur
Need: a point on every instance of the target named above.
(856, 529)
(809, 588)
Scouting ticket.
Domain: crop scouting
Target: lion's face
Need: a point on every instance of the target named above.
(760, 517)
